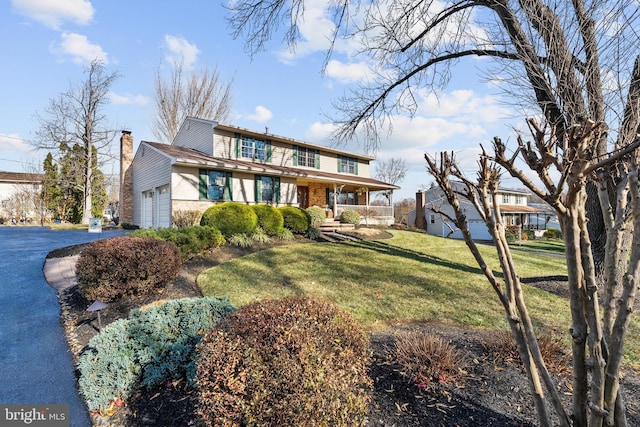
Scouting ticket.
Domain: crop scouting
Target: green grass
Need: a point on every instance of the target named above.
(410, 277)
(553, 246)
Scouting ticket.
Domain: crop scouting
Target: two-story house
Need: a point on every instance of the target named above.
(514, 208)
(210, 162)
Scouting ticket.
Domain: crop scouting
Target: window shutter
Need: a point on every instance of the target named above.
(339, 164)
(356, 198)
(295, 155)
(228, 186)
(328, 196)
(317, 159)
(276, 188)
(258, 188)
(268, 150)
(356, 166)
(202, 184)
(238, 145)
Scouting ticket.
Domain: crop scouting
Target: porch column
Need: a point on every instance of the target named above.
(335, 200)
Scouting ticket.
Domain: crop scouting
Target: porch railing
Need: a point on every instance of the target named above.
(368, 212)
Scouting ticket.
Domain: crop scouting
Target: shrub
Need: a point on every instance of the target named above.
(350, 217)
(510, 236)
(285, 234)
(531, 235)
(317, 215)
(428, 359)
(152, 346)
(269, 219)
(241, 240)
(190, 240)
(186, 218)
(552, 233)
(110, 269)
(295, 219)
(313, 233)
(231, 218)
(260, 236)
(297, 361)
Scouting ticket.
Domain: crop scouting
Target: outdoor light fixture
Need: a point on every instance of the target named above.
(97, 306)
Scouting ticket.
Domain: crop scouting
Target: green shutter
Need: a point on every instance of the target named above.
(228, 186)
(276, 188)
(339, 164)
(356, 167)
(258, 188)
(295, 155)
(268, 149)
(238, 145)
(203, 180)
(317, 159)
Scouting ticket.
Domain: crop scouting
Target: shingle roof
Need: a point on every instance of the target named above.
(21, 177)
(191, 157)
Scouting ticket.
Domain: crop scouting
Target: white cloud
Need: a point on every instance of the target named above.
(79, 48)
(181, 51)
(348, 73)
(261, 115)
(129, 99)
(13, 144)
(52, 13)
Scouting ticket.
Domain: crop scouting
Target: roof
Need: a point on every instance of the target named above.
(21, 177)
(190, 157)
(521, 209)
(273, 137)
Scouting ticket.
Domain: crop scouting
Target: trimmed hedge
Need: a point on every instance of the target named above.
(150, 347)
(297, 361)
(350, 217)
(110, 269)
(190, 240)
(295, 219)
(317, 215)
(270, 219)
(231, 218)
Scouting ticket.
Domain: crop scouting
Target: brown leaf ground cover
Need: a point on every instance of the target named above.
(491, 390)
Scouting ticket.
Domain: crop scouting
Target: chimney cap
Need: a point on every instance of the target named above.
(126, 132)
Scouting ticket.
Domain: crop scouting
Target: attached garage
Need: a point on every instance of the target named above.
(156, 208)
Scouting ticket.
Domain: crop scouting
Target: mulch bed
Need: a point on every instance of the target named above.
(493, 392)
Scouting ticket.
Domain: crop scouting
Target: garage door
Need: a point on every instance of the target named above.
(164, 207)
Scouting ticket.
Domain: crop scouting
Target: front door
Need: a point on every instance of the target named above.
(303, 197)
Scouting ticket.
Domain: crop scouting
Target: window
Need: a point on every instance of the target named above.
(519, 200)
(303, 156)
(343, 198)
(267, 189)
(432, 218)
(251, 148)
(347, 165)
(215, 185)
(505, 198)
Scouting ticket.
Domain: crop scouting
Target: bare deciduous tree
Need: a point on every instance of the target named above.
(77, 117)
(597, 342)
(202, 94)
(391, 171)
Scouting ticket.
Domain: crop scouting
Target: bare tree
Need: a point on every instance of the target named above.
(570, 60)
(202, 94)
(77, 117)
(391, 171)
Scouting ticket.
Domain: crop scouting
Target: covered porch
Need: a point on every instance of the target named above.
(337, 196)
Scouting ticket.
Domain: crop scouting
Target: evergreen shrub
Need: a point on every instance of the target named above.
(150, 347)
(191, 240)
(231, 218)
(269, 219)
(109, 269)
(296, 361)
(350, 217)
(317, 215)
(295, 219)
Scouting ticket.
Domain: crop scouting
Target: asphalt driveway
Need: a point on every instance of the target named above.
(36, 365)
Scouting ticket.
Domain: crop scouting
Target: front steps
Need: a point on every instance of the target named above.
(331, 225)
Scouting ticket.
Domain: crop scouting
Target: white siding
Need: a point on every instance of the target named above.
(151, 169)
(196, 134)
(163, 204)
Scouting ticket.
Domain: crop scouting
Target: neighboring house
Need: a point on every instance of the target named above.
(513, 206)
(209, 163)
(19, 196)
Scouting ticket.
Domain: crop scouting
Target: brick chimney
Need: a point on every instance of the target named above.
(126, 179)
(421, 221)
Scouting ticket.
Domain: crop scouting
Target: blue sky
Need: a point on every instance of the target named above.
(47, 44)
